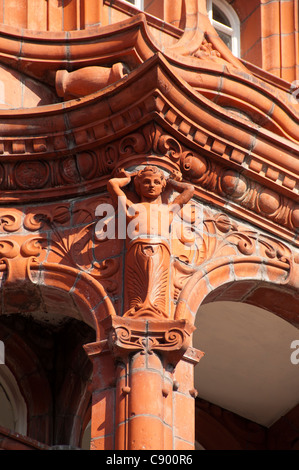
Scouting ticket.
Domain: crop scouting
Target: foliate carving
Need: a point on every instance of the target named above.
(246, 242)
(147, 279)
(208, 173)
(33, 175)
(151, 139)
(38, 218)
(199, 170)
(69, 235)
(262, 200)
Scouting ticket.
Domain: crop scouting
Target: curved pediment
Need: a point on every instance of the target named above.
(220, 77)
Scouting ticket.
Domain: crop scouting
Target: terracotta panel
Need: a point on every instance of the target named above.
(70, 16)
(245, 9)
(271, 52)
(270, 21)
(288, 46)
(55, 16)
(289, 74)
(102, 413)
(146, 384)
(183, 416)
(15, 13)
(288, 20)
(37, 15)
(142, 436)
(156, 8)
(92, 11)
(251, 29)
(102, 443)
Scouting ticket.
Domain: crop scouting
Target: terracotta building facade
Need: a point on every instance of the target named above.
(149, 224)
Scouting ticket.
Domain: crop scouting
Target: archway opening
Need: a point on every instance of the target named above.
(46, 361)
(247, 367)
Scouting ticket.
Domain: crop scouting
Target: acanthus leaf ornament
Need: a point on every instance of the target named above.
(69, 235)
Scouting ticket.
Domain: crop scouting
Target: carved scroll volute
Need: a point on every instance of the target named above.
(126, 336)
(16, 258)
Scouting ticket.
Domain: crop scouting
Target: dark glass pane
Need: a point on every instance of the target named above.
(219, 16)
(226, 38)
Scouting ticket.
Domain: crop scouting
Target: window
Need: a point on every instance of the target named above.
(226, 22)
(137, 3)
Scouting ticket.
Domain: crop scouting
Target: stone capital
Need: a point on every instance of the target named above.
(126, 336)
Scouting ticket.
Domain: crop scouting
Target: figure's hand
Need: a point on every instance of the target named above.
(121, 173)
(176, 176)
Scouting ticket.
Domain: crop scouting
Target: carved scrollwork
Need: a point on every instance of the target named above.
(206, 50)
(247, 242)
(37, 218)
(170, 337)
(16, 257)
(169, 146)
(10, 221)
(72, 244)
(133, 143)
(150, 140)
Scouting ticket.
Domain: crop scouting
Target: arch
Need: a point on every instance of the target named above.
(15, 410)
(26, 373)
(90, 300)
(247, 367)
(239, 278)
(53, 294)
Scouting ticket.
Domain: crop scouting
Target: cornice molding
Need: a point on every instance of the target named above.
(42, 54)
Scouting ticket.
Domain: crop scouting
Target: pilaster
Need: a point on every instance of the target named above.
(142, 380)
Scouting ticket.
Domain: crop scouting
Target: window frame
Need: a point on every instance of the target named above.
(234, 30)
(137, 4)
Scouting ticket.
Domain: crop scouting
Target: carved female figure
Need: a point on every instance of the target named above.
(148, 225)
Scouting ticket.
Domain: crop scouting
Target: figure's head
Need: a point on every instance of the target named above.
(150, 182)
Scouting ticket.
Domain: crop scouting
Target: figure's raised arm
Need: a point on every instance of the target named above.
(114, 185)
(185, 189)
